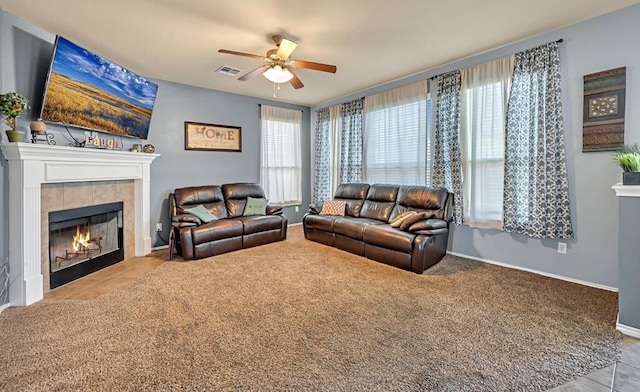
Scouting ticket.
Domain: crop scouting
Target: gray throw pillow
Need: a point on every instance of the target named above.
(201, 212)
(255, 207)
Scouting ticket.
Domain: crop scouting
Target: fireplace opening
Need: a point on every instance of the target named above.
(84, 240)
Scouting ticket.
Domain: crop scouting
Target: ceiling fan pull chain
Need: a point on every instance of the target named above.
(274, 89)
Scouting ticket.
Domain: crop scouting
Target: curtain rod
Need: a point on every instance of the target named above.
(435, 76)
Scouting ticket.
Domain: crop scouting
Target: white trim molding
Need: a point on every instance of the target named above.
(30, 166)
(560, 277)
(629, 331)
(626, 190)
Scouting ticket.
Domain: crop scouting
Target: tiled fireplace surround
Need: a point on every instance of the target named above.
(46, 178)
(65, 196)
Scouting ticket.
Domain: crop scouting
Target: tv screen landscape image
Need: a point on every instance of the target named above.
(87, 91)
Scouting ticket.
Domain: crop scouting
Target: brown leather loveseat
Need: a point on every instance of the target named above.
(366, 230)
(231, 227)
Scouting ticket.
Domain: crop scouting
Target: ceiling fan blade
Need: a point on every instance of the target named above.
(314, 66)
(285, 48)
(295, 81)
(254, 56)
(255, 72)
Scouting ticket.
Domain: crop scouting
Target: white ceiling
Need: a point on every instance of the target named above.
(370, 41)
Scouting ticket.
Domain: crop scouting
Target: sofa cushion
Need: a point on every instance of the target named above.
(388, 237)
(210, 196)
(421, 198)
(202, 213)
(320, 222)
(235, 196)
(260, 223)
(216, 230)
(379, 202)
(333, 207)
(353, 195)
(353, 227)
(255, 207)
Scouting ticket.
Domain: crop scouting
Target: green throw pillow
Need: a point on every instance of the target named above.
(201, 212)
(255, 207)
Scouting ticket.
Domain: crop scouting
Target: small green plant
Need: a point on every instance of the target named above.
(628, 158)
(12, 105)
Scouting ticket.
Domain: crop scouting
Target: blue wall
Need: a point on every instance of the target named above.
(606, 42)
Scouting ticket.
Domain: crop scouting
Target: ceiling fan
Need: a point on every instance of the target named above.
(279, 67)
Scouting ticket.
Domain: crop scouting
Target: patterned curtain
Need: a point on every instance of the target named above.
(536, 192)
(322, 156)
(447, 164)
(351, 148)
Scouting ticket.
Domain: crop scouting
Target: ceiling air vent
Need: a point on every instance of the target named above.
(226, 70)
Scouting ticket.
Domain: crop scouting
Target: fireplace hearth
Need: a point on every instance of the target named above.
(84, 240)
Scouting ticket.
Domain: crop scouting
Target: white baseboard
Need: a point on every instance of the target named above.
(5, 306)
(629, 331)
(295, 224)
(572, 280)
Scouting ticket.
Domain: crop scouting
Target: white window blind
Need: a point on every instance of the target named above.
(485, 93)
(281, 156)
(395, 136)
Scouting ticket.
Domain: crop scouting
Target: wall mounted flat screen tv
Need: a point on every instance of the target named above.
(87, 91)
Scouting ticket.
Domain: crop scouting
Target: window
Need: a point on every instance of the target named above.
(281, 157)
(430, 128)
(395, 136)
(484, 97)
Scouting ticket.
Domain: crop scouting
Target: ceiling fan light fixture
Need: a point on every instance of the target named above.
(278, 74)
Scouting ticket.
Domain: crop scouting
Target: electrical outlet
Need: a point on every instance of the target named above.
(159, 226)
(562, 247)
(297, 208)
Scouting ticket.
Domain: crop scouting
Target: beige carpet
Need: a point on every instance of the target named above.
(297, 315)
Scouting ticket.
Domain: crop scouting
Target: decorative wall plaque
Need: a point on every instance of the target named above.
(603, 110)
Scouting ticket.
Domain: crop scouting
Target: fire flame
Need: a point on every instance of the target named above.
(81, 240)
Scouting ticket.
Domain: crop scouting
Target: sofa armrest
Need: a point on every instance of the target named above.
(314, 209)
(274, 210)
(185, 220)
(428, 226)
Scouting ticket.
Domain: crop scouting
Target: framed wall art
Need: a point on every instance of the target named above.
(603, 110)
(212, 137)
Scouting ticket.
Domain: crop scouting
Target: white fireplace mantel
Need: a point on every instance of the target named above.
(30, 166)
(628, 267)
(626, 190)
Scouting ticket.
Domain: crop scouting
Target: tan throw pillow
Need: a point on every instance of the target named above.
(406, 224)
(401, 218)
(333, 207)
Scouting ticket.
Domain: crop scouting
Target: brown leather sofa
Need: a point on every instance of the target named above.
(366, 231)
(195, 239)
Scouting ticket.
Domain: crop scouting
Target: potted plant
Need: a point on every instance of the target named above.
(12, 105)
(628, 158)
